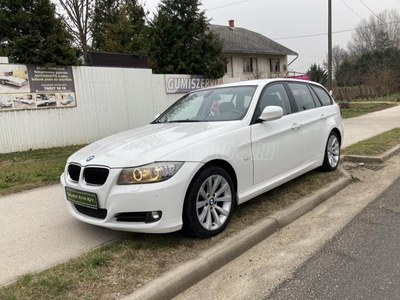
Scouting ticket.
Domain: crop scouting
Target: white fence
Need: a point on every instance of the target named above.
(109, 100)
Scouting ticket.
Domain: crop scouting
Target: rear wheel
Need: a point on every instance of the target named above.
(209, 202)
(332, 153)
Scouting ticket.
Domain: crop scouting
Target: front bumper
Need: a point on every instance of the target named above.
(167, 196)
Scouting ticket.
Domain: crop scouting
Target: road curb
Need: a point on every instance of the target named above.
(304, 205)
(183, 277)
(373, 159)
(177, 280)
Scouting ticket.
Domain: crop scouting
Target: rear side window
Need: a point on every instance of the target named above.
(322, 95)
(316, 100)
(302, 96)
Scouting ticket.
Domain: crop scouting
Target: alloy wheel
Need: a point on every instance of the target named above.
(214, 202)
(333, 151)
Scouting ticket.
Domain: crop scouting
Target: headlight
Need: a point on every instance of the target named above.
(154, 172)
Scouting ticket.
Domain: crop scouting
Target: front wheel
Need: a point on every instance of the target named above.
(209, 202)
(332, 153)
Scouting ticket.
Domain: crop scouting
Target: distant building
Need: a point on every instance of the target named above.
(250, 55)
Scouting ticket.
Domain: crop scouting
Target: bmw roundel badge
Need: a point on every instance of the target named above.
(90, 158)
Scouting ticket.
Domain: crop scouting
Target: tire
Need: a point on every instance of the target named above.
(332, 153)
(209, 203)
(3, 82)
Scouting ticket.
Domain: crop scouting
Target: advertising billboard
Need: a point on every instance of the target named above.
(35, 87)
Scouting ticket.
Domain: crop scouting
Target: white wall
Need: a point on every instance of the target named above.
(109, 100)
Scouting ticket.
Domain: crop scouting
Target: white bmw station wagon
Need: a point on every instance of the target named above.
(212, 150)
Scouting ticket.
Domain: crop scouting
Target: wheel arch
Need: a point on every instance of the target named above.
(338, 134)
(224, 165)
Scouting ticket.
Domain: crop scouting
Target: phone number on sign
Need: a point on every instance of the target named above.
(53, 88)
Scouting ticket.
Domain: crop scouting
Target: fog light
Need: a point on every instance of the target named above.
(153, 216)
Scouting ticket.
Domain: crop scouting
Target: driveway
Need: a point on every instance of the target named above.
(37, 231)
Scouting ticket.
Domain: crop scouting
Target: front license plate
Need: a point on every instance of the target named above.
(82, 198)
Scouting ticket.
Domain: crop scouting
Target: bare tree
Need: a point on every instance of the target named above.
(257, 73)
(260, 73)
(381, 79)
(376, 33)
(76, 15)
(339, 55)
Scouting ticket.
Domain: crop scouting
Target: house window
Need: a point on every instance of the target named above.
(275, 65)
(249, 65)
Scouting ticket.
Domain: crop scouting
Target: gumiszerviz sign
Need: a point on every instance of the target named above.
(180, 84)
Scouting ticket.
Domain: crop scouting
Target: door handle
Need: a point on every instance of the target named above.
(323, 117)
(296, 126)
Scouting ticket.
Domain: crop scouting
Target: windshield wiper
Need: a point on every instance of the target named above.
(183, 121)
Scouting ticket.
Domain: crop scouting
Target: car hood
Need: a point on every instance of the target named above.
(16, 79)
(149, 143)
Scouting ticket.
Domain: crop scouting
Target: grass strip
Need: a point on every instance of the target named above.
(21, 171)
(355, 109)
(376, 145)
(118, 268)
(391, 98)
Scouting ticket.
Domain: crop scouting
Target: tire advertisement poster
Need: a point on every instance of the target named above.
(36, 87)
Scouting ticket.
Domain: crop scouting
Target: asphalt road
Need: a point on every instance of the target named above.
(361, 262)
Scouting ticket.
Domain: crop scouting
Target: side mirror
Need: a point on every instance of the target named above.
(156, 116)
(271, 113)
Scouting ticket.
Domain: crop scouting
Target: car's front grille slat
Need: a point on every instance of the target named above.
(74, 171)
(91, 175)
(95, 176)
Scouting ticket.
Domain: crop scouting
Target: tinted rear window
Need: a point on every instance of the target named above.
(322, 95)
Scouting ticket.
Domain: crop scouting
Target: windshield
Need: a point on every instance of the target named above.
(219, 104)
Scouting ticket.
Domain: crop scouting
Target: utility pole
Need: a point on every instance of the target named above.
(329, 44)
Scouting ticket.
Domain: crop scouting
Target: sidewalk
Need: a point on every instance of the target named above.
(38, 232)
(366, 126)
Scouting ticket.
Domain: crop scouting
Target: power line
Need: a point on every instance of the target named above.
(370, 10)
(313, 56)
(222, 6)
(310, 35)
(352, 10)
(325, 33)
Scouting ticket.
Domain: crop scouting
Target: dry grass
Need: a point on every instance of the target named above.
(391, 98)
(21, 171)
(376, 145)
(355, 109)
(119, 268)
